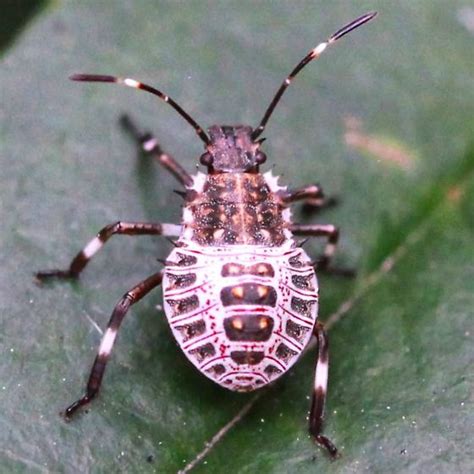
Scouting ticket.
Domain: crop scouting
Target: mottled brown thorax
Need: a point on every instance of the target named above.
(236, 209)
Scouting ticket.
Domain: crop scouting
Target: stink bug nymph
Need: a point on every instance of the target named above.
(240, 294)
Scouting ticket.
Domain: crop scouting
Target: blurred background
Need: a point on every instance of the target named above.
(383, 121)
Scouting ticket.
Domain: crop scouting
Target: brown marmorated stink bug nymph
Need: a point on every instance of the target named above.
(240, 294)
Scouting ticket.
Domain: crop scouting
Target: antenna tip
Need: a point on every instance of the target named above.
(352, 26)
(371, 15)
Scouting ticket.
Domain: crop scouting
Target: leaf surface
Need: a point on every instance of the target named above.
(383, 120)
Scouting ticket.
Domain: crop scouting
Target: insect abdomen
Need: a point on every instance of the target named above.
(246, 312)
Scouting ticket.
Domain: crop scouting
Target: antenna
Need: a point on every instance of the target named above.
(140, 85)
(313, 54)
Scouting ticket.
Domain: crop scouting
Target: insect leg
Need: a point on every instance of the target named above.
(107, 343)
(332, 234)
(316, 416)
(312, 195)
(150, 145)
(118, 228)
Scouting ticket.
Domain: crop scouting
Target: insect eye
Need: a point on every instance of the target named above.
(206, 159)
(260, 158)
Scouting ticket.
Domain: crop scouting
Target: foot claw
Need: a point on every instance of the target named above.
(70, 411)
(328, 445)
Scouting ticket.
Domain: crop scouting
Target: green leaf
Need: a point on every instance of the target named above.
(383, 120)
(15, 15)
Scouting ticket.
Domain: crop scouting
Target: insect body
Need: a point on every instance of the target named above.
(242, 315)
(240, 295)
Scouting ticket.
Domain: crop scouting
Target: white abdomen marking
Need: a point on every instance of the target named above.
(242, 314)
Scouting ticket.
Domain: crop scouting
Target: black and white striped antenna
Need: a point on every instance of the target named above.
(140, 85)
(313, 54)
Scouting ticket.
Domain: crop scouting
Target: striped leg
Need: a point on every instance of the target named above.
(119, 228)
(150, 145)
(316, 416)
(312, 195)
(107, 343)
(318, 230)
(332, 234)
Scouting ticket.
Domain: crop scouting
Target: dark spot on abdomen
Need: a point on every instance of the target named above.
(302, 306)
(183, 305)
(284, 353)
(249, 293)
(305, 282)
(248, 327)
(247, 357)
(189, 331)
(181, 281)
(296, 331)
(203, 352)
